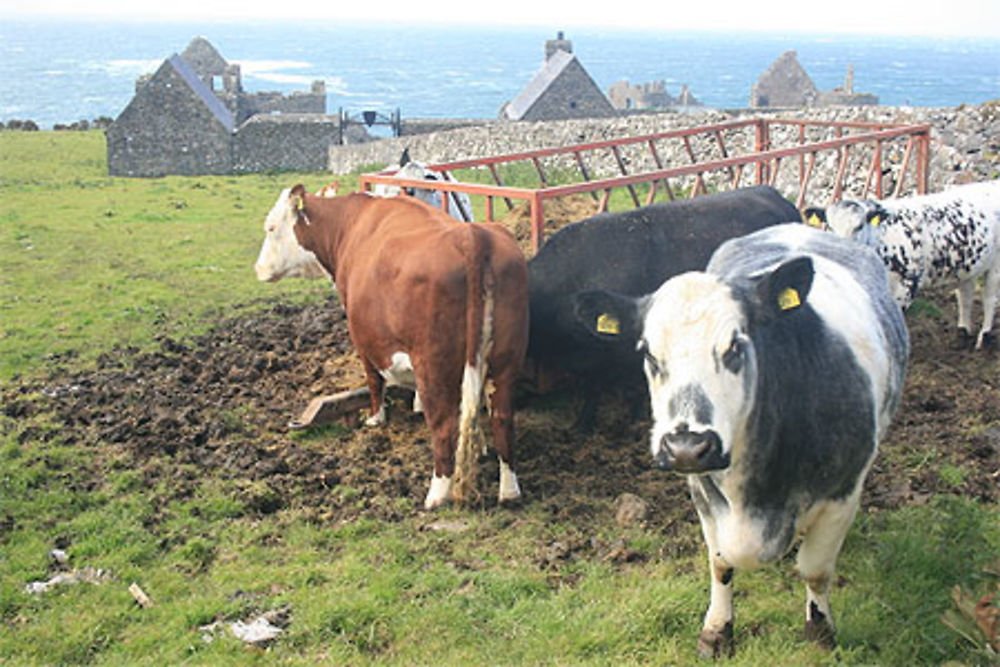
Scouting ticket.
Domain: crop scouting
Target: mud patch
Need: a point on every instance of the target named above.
(218, 406)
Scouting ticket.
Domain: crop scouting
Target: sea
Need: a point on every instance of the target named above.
(62, 71)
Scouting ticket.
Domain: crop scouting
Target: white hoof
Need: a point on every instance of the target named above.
(509, 488)
(377, 419)
(439, 493)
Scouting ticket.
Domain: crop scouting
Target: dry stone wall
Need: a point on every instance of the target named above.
(965, 145)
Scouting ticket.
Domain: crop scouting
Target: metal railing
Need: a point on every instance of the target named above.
(776, 143)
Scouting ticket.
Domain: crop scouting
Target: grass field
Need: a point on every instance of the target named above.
(90, 263)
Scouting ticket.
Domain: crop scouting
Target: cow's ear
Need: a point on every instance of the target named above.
(404, 158)
(785, 289)
(815, 216)
(609, 317)
(297, 198)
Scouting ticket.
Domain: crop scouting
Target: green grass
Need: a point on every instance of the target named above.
(89, 262)
(87, 258)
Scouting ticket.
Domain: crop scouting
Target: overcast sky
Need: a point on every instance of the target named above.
(912, 17)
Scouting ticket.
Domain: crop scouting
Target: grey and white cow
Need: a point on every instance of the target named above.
(459, 206)
(773, 375)
(950, 236)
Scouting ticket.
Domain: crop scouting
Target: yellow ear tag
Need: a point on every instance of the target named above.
(300, 204)
(608, 324)
(788, 299)
(814, 221)
(875, 221)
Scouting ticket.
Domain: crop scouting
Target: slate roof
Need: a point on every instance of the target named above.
(203, 92)
(550, 71)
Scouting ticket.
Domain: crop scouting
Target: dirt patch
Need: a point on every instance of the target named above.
(219, 405)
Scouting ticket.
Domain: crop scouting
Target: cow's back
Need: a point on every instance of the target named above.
(632, 253)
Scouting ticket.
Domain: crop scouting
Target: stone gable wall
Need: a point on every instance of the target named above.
(572, 94)
(198, 143)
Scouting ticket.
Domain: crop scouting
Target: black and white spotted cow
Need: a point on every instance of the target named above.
(459, 205)
(948, 236)
(772, 375)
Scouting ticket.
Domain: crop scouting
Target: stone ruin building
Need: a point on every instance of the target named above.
(786, 84)
(654, 95)
(192, 117)
(561, 89)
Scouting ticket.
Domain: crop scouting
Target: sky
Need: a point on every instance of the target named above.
(978, 18)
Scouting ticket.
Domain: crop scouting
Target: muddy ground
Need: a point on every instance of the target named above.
(219, 405)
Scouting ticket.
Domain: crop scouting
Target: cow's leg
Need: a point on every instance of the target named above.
(716, 638)
(963, 295)
(418, 407)
(991, 287)
(815, 563)
(587, 419)
(444, 435)
(376, 391)
(441, 414)
(502, 423)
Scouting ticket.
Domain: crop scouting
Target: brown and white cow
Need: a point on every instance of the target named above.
(432, 304)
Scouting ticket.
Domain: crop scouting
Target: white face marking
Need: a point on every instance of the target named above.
(697, 355)
(849, 219)
(281, 256)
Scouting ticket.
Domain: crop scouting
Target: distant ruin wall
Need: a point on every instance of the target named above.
(415, 126)
(289, 142)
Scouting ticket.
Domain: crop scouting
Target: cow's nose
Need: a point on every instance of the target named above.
(690, 451)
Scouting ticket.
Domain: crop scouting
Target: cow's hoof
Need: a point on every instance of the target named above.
(714, 644)
(376, 419)
(820, 631)
(512, 500)
(987, 341)
(964, 340)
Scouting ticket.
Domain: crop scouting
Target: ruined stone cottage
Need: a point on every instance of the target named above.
(561, 89)
(192, 117)
(653, 95)
(787, 84)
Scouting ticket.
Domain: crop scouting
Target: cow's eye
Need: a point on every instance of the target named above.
(732, 358)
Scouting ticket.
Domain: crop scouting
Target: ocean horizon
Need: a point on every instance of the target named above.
(56, 72)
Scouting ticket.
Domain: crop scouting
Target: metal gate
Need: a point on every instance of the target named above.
(720, 156)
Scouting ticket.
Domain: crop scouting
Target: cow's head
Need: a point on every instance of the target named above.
(858, 219)
(697, 336)
(282, 255)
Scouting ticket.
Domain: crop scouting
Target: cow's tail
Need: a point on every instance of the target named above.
(479, 342)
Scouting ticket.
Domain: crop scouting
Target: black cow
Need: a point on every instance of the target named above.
(629, 253)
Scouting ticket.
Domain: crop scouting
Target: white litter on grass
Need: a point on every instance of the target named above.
(257, 631)
(88, 575)
(260, 631)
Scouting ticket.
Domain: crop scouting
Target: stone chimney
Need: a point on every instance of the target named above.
(560, 43)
